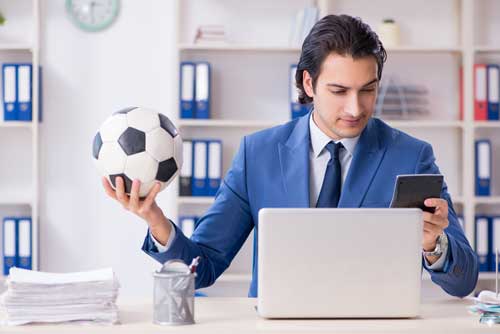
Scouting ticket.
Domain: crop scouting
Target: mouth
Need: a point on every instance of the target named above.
(351, 122)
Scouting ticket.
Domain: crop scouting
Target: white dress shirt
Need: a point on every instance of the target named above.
(319, 157)
(318, 161)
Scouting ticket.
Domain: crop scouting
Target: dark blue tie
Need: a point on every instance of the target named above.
(330, 190)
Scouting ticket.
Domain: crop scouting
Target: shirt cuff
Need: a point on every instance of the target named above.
(164, 248)
(439, 264)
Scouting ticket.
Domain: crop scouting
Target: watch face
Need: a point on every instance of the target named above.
(92, 15)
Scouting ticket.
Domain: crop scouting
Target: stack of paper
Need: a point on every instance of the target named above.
(487, 304)
(33, 296)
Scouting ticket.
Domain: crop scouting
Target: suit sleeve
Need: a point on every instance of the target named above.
(220, 233)
(459, 275)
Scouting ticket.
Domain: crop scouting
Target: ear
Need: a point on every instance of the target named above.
(308, 84)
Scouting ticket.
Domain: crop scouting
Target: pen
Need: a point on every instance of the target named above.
(194, 264)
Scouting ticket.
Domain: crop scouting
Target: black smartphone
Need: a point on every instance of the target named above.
(410, 191)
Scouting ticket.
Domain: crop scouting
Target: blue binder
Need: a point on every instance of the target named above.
(24, 93)
(495, 241)
(24, 232)
(296, 109)
(203, 90)
(9, 249)
(9, 92)
(483, 241)
(187, 89)
(493, 90)
(200, 168)
(483, 167)
(214, 166)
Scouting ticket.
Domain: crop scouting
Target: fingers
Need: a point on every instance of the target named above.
(133, 202)
(151, 196)
(432, 228)
(107, 188)
(440, 204)
(120, 192)
(436, 219)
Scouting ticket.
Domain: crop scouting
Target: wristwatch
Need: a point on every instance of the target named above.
(441, 245)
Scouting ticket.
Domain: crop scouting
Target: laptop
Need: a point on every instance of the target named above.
(339, 263)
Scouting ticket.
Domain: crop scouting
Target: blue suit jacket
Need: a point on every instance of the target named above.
(271, 169)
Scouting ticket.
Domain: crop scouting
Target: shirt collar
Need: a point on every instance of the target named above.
(319, 139)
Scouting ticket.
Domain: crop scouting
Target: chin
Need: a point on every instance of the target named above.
(350, 131)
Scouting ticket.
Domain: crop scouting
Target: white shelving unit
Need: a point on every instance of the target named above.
(19, 173)
(250, 79)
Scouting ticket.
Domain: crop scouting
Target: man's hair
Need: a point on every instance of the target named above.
(341, 34)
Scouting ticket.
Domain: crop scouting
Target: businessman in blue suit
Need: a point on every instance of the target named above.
(335, 156)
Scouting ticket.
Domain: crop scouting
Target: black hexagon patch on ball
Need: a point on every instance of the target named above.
(167, 125)
(96, 147)
(166, 169)
(132, 141)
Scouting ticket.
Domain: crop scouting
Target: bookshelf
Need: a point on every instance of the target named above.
(257, 33)
(19, 178)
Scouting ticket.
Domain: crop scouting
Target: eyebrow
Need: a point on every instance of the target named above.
(344, 87)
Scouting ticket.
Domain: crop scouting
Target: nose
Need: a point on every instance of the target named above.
(353, 108)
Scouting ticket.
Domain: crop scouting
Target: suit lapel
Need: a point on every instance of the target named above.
(365, 162)
(294, 164)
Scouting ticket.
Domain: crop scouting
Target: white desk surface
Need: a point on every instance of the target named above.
(236, 315)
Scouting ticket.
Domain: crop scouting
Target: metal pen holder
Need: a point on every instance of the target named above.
(173, 298)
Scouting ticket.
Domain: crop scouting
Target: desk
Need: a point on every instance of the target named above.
(236, 315)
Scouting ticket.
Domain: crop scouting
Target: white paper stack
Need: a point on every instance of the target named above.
(33, 296)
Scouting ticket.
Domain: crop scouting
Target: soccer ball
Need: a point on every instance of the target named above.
(137, 143)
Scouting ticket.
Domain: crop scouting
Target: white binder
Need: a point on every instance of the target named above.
(214, 166)
(200, 168)
(187, 226)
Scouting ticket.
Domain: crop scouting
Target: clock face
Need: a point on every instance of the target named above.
(93, 15)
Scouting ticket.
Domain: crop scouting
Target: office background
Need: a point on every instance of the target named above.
(87, 76)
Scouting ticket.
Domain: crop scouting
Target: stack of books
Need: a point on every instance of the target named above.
(40, 297)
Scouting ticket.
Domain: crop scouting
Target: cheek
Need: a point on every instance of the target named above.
(368, 101)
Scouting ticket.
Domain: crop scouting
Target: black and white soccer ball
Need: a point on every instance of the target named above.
(138, 143)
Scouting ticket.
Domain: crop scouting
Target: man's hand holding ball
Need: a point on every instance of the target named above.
(139, 152)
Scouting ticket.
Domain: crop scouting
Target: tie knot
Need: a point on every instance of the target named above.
(334, 149)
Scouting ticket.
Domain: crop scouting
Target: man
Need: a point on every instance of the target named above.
(336, 156)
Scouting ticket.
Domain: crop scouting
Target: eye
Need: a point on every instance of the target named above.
(338, 92)
(368, 90)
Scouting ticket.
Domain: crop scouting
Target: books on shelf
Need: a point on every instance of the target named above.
(302, 25)
(487, 231)
(17, 243)
(17, 95)
(486, 92)
(195, 90)
(201, 173)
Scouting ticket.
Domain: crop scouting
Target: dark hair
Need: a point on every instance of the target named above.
(341, 34)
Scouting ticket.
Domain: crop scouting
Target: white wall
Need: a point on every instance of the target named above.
(86, 77)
